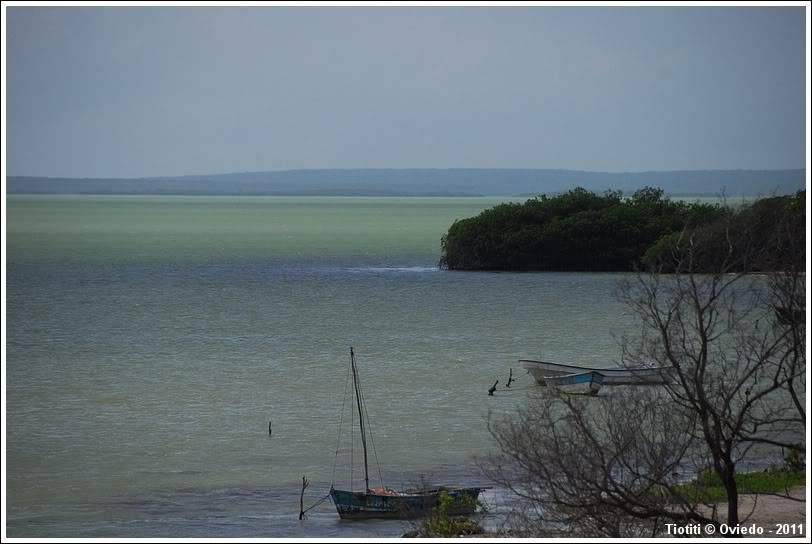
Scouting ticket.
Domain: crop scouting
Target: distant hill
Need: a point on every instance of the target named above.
(424, 182)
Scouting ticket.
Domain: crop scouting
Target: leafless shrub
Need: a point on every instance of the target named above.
(735, 342)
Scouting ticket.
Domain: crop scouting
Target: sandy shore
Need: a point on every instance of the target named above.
(768, 512)
(765, 511)
(770, 509)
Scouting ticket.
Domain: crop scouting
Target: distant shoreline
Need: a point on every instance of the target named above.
(676, 196)
(325, 194)
(426, 182)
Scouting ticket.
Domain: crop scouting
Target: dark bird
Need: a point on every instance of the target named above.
(493, 388)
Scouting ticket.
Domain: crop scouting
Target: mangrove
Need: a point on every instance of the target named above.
(584, 231)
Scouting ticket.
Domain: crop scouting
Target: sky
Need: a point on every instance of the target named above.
(143, 91)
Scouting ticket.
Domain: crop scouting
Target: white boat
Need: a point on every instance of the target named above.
(543, 370)
(584, 383)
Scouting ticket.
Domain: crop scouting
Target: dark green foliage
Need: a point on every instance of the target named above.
(577, 230)
(794, 460)
(708, 486)
(765, 236)
(442, 524)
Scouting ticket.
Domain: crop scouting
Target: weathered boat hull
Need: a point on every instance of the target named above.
(360, 505)
(381, 502)
(611, 376)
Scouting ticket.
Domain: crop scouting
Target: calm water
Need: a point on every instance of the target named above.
(151, 339)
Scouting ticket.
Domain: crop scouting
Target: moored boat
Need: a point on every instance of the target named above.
(383, 502)
(543, 370)
(389, 504)
(583, 383)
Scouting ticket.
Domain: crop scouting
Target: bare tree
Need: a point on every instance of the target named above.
(735, 343)
(732, 374)
(787, 291)
(736, 366)
(607, 466)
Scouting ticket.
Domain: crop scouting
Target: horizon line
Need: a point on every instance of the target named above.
(453, 168)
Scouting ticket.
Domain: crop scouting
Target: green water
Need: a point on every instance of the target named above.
(230, 229)
(151, 339)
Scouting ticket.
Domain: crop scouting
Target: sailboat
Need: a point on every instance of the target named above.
(383, 502)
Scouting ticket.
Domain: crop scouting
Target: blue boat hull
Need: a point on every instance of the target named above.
(585, 383)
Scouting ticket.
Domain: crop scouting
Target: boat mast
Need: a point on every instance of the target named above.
(360, 416)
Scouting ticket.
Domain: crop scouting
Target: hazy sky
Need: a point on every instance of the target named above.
(169, 91)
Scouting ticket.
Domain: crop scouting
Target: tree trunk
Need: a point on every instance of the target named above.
(732, 491)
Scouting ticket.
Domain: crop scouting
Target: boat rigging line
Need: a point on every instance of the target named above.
(366, 429)
(365, 425)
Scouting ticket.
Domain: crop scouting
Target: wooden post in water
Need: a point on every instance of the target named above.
(305, 483)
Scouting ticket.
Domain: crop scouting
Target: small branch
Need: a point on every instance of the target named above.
(305, 483)
(493, 388)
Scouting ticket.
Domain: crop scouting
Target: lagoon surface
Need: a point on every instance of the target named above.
(150, 339)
